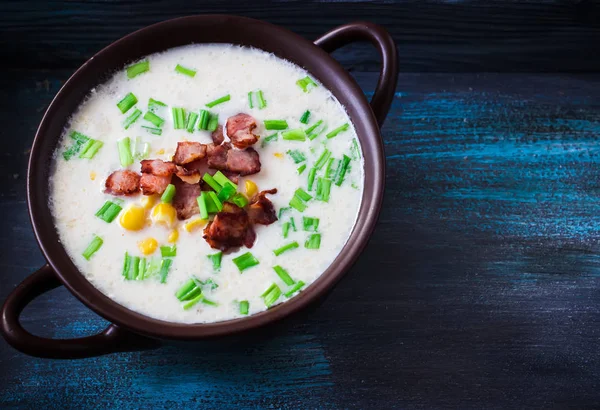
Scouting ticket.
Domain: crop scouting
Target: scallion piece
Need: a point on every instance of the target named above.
(191, 122)
(284, 275)
(276, 124)
(305, 117)
(168, 251)
(245, 261)
(297, 204)
(93, 247)
(213, 123)
(211, 206)
(141, 269)
(306, 84)
(293, 223)
(80, 140)
(240, 200)
(322, 159)
(155, 104)
(271, 295)
(226, 192)
(168, 194)
(311, 178)
(216, 259)
(285, 229)
(211, 182)
(154, 119)
(295, 289)
(262, 103)
(193, 302)
(204, 119)
(178, 118)
(355, 149)
(165, 264)
(313, 127)
(90, 148)
(342, 168)
(250, 102)
(219, 101)
(323, 189)
(283, 210)
(202, 205)
(184, 290)
(284, 248)
(301, 169)
(109, 211)
(152, 130)
(208, 302)
(336, 131)
(79, 137)
(244, 307)
(215, 199)
(131, 118)
(268, 139)
(310, 224)
(313, 241)
(127, 102)
(303, 195)
(329, 167)
(193, 293)
(297, 134)
(138, 68)
(185, 71)
(296, 155)
(132, 264)
(223, 180)
(125, 156)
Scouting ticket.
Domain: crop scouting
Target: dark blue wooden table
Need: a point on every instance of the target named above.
(480, 286)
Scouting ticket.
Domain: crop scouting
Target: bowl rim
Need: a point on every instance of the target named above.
(327, 70)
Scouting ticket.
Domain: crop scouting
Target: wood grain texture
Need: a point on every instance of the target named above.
(433, 36)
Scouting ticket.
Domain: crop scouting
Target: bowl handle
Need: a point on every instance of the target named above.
(112, 339)
(380, 38)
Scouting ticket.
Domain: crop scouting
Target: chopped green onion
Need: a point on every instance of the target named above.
(208, 283)
(297, 204)
(204, 119)
(155, 131)
(109, 211)
(226, 192)
(215, 199)
(268, 139)
(184, 290)
(240, 200)
(302, 194)
(138, 68)
(286, 229)
(323, 189)
(282, 211)
(355, 149)
(295, 289)
(153, 267)
(208, 302)
(154, 104)
(329, 169)
(168, 194)
(127, 102)
(213, 123)
(191, 122)
(313, 127)
(90, 148)
(301, 169)
(141, 269)
(297, 134)
(271, 295)
(343, 167)
(185, 71)
(250, 103)
(193, 293)
(276, 124)
(164, 269)
(211, 182)
(144, 152)
(297, 156)
(262, 103)
(154, 119)
(91, 249)
(323, 159)
(178, 118)
(80, 140)
(202, 205)
(282, 273)
(132, 118)
(125, 156)
(79, 137)
(313, 241)
(218, 101)
(245, 261)
(244, 307)
(336, 131)
(223, 180)
(310, 224)
(284, 248)
(306, 84)
(216, 259)
(305, 117)
(293, 223)
(131, 267)
(311, 178)
(168, 251)
(193, 302)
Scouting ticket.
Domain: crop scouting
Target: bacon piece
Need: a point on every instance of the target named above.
(244, 162)
(190, 176)
(261, 209)
(217, 135)
(122, 182)
(231, 228)
(233, 176)
(185, 199)
(188, 151)
(217, 155)
(154, 184)
(158, 167)
(239, 130)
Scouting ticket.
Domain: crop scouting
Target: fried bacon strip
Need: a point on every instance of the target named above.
(239, 130)
(122, 182)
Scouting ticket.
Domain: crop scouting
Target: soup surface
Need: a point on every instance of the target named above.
(138, 253)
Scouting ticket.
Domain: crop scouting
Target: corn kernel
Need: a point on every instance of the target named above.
(173, 236)
(133, 218)
(148, 246)
(278, 154)
(92, 175)
(251, 188)
(160, 151)
(148, 201)
(194, 224)
(164, 213)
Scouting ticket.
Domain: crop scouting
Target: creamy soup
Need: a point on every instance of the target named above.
(134, 248)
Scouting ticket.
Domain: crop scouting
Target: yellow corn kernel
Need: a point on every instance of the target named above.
(164, 213)
(133, 218)
(148, 201)
(251, 188)
(194, 224)
(173, 236)
(148, 246)
(278, 154)
(160, 151)
(92, 175)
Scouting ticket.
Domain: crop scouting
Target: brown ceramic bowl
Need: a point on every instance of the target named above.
(131, 330)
